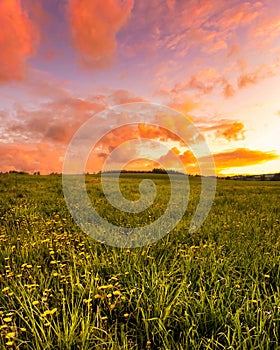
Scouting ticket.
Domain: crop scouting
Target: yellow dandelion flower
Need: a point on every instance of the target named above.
(10, 343)
(97, 296)
(7, 319)
(117, 292)
(10, 335)
(103, 287)
(109, 295)
(5, 289)
(87, 301)
(126, 315)
(22, 329)
(112, 306)
(35, 302)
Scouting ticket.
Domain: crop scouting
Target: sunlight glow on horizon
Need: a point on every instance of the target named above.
(215, 62)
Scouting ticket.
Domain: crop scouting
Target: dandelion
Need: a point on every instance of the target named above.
(126, 315)
(10, 343)
(116, 293)
(7, 319)
(97, 296)
(10, 335)
(36, 302)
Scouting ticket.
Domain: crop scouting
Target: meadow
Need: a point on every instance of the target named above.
(218, 288)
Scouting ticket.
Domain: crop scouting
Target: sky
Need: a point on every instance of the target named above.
(217, 62)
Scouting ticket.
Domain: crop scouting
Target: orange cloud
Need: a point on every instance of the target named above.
(18, 39)
(187, 159)
(228, 90)
(242, 157)
(95, 25)
(230, 130)
(43, 157)
(263, 71)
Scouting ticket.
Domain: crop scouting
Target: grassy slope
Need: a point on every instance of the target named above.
(215, 289)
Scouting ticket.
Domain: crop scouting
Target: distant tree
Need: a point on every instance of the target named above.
(159, 171)
(276, 177)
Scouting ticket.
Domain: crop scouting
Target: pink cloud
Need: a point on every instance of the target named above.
(95, 25)
(18, 40)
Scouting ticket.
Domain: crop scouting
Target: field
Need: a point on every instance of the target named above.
(218, 288)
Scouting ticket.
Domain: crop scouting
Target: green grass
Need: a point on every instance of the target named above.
(215, 289)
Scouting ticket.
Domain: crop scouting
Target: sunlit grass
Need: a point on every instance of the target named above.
(215, 289)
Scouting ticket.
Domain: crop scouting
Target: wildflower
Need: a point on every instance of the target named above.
(10, 335)
(7, 319)
(10, 343)
(117, 293)
(35, 302)
(97, 296)
(126, 315)
(87, 301)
